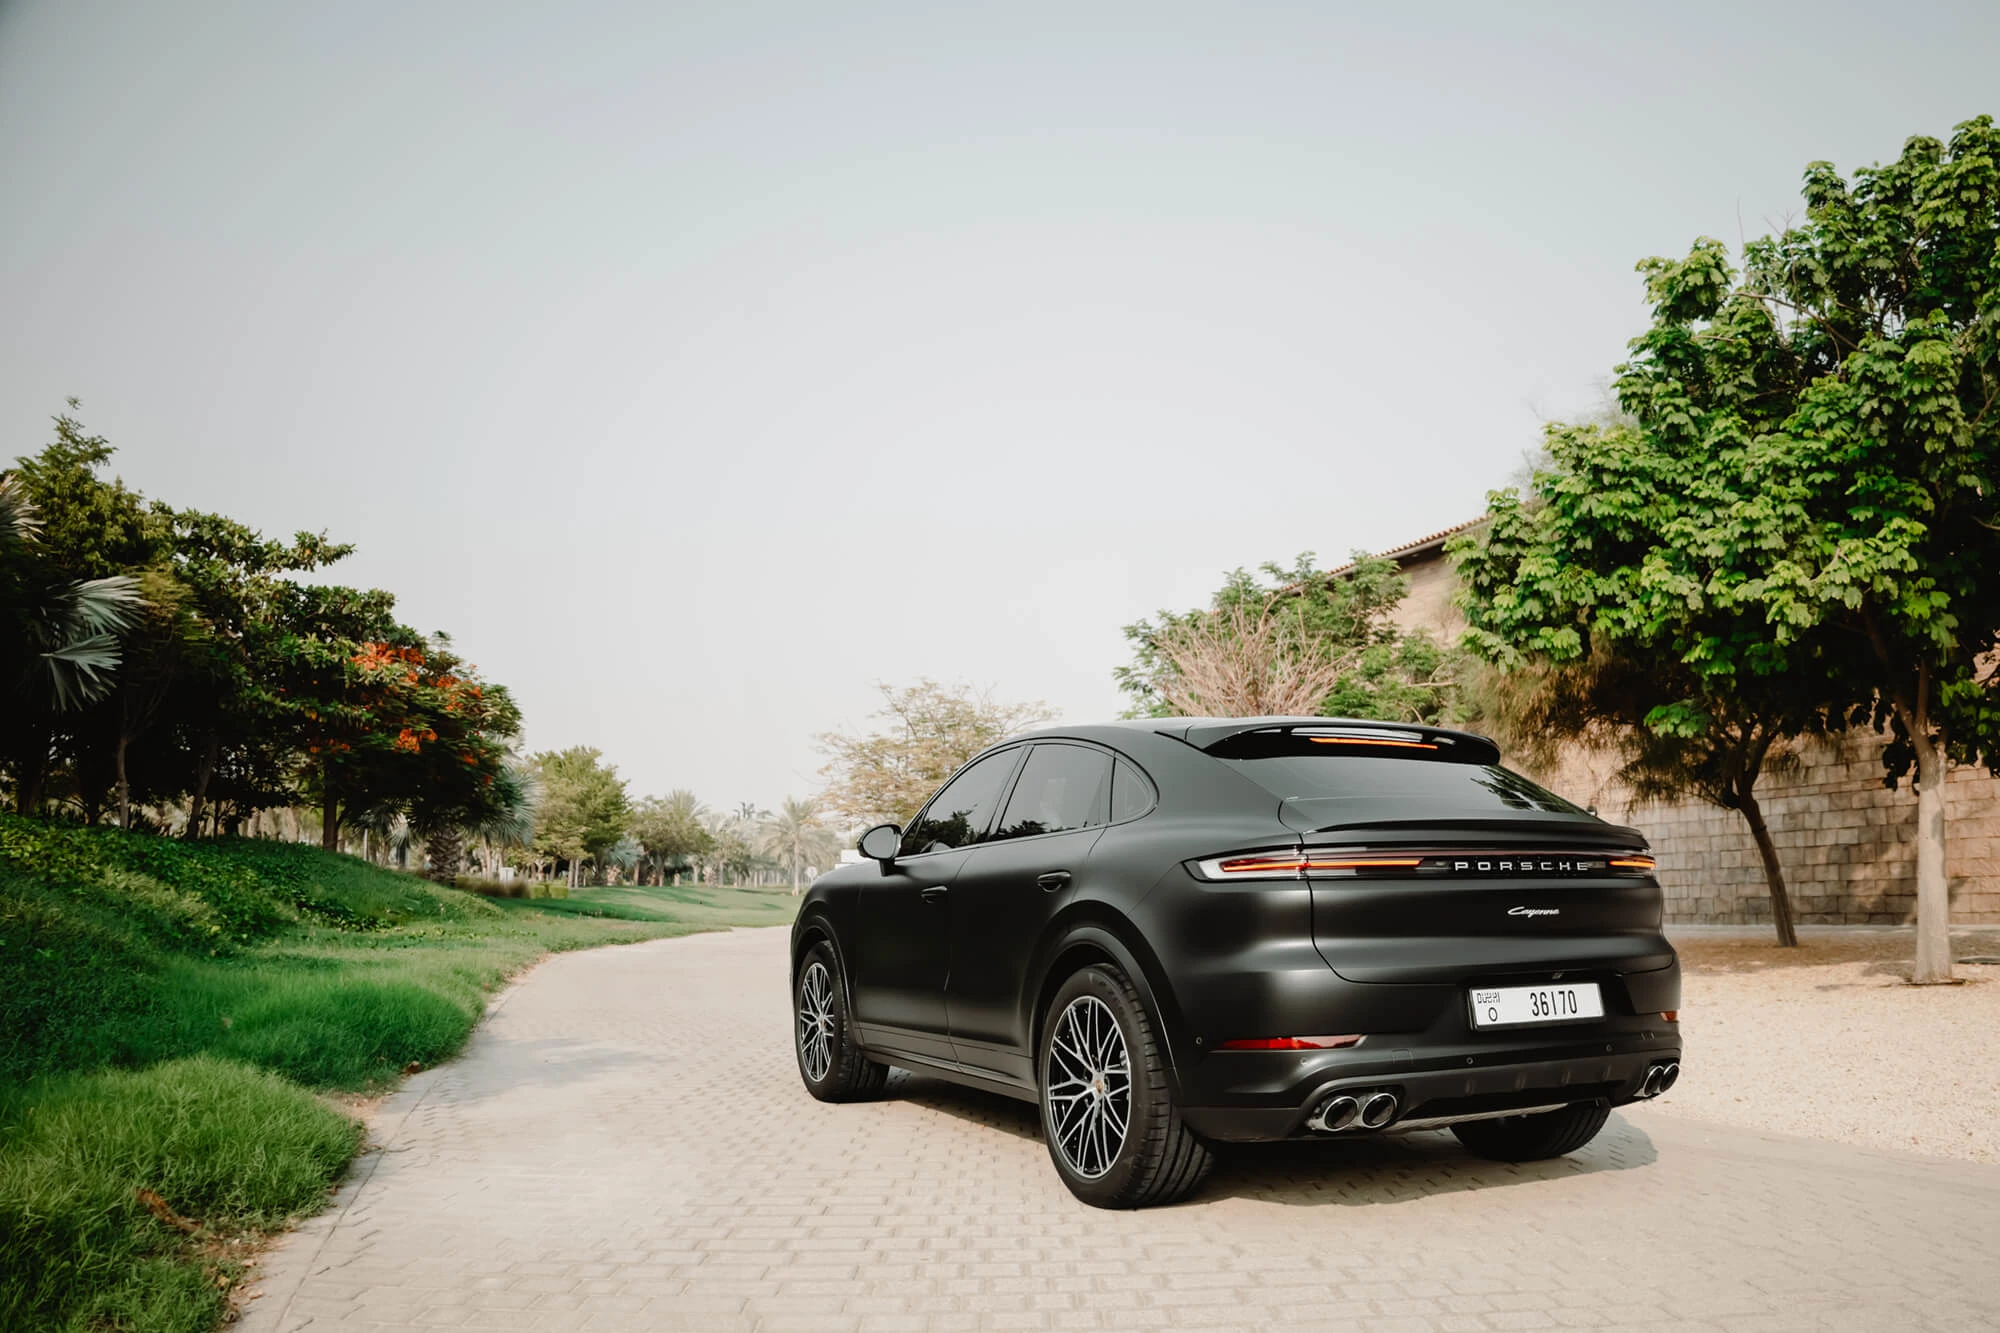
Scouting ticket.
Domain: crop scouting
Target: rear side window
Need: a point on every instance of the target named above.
(1131, 793)
(961, 811)
(1061, 787)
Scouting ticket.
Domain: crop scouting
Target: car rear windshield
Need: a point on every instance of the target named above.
(1440, 783)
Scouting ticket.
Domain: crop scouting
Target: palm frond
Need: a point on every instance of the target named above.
(82, 629)
(102, 606)
(20, 522)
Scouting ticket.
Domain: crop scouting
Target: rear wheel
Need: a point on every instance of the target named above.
(832, 1066)
(1108, 1115)
(1530, 1138)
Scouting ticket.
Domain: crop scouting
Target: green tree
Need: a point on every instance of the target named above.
(1306, 644)
(584, 810)
(226, 711)
(670, 831)
(928, 730)
(1833, 407)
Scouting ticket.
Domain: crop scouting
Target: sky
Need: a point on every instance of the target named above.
(699, 367)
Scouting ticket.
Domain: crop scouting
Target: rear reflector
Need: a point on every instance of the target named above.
(1290, 1043)
(1671, 1015)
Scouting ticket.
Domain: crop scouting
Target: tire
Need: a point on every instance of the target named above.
(832, 1067)
(1096, 1018)
(1532, 1138)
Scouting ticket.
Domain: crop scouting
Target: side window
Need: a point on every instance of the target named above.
(1061, 787)
(961, 811)
(1131, 794)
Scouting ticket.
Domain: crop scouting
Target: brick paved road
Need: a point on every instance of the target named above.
(625, 1145)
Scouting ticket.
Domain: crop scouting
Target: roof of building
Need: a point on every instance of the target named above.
(1416, 550)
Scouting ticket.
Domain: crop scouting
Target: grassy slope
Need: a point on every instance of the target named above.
(167, 1012)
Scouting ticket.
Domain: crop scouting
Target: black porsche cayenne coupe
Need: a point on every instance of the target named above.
(1178, 932)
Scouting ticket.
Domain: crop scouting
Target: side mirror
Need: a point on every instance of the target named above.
(881, 843)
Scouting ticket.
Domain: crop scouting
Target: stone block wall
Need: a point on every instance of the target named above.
(1844, 839)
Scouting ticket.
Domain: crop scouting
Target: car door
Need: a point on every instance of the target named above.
(1008, 888)
(900, 956)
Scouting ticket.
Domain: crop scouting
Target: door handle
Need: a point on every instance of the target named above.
(935, 893)
(1055, 879)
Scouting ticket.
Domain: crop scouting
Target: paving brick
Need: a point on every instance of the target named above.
(625, 1145)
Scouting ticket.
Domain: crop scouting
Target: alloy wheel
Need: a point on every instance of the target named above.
(816, 1022)
(1089, 1087)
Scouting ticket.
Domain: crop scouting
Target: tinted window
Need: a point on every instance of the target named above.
(1437, 782)
(1131, 794)
(960, 813)
(1061, 787)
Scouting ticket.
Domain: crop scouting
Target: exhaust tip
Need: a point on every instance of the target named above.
(1670, 1074)
(1378, 1110)
(1336, 1113)
(1650, 1085)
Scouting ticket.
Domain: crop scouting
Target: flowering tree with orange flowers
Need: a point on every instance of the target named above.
(384, 718)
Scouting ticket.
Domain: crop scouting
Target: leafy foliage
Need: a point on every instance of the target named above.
(584, 810)
(928, 731)
(162, 655)
(1306, 644)
(1801, 518)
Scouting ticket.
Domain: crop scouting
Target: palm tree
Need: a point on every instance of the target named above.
(795, 837)
(59, 640)
(69, 631)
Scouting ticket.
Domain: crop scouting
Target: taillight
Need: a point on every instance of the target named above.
(1284, 865)
(1291, 863)
(1290, 1043)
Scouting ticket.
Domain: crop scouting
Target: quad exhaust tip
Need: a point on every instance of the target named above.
(1349, 1110)
(1659, 1078)
(1338, 1113)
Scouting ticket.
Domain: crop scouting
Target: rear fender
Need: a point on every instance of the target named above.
(1092, 932)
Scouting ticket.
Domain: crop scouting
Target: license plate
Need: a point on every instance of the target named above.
(1511, 1006)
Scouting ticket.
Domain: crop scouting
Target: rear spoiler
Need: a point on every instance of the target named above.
(1464, 747)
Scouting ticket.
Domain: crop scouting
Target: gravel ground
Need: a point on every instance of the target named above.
(1830, 1041)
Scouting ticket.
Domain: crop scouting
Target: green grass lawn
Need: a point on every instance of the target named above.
(172, 1014)
(695, 904)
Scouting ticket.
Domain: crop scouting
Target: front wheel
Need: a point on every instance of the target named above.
(1114, 1133)
(833, 1067)
(1532, 1138)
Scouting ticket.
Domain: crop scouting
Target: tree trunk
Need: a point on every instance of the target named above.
(201, 775)
(1774, 873)
(124, 784)
(444, 851)
(329, 813)
(1933, 962)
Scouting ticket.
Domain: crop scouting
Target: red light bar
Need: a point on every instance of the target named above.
(1631, 863)
(1371, 740)
(1377, 863)
(1290, 1043)
(1261, 865)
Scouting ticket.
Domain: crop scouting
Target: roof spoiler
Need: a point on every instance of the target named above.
(1465, 747)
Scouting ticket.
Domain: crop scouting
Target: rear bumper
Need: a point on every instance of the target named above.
(1262, 1096)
